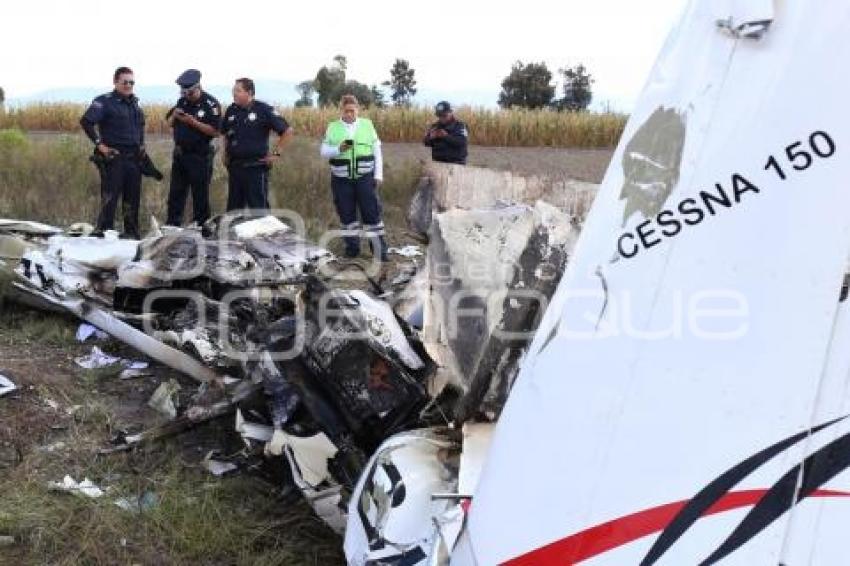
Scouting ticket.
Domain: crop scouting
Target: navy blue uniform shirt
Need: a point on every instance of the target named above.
(206, 110)
(120, 120)
(246, 130)
(453, 147)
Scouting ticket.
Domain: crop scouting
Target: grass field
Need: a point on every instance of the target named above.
(55, 424)
(49, 178)
(510, 128)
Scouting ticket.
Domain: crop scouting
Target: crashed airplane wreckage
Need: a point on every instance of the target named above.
(321, 370)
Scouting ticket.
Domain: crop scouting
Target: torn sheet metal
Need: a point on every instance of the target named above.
(86, 331)
(164, 399)
(97, 359)
(409, 251)
(392, 509)
(217, 467)
(6, 385)
(493, 272)
(28, 227)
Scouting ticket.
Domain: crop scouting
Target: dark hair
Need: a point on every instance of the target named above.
(348, 99)
(121, 71)
(247, 85)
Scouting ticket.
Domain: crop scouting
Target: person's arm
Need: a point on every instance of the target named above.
(328, 151)
(225, 145)
(428, 139)
(192, 122)
(457, 137)
(379, 162)
(170, 116)
(142, 132)
(284, 132)
(93, 115)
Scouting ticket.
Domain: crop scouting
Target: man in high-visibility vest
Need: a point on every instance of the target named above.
(352, 146)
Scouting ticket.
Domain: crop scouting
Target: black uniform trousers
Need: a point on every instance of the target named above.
(121, 178)
(351, 195)
(190, 171)
(248, 185)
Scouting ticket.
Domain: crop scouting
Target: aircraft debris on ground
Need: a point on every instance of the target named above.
(345, 379)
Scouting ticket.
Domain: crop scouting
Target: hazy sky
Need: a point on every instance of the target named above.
(454, 46)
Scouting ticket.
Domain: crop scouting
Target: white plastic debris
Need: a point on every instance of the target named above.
(264, 226)
(97, 359)
(6, 385)
(132, 373)
(86, 331)
(85, 488)
(145, 502)
(252, 431)
(406, 251)
(163, 398)
(217, 467)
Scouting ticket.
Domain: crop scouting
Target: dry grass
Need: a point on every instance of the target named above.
(197, 518)
(528, 128)
(49, 179)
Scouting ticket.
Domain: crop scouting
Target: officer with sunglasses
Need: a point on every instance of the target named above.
(196, 119)
(115, 123)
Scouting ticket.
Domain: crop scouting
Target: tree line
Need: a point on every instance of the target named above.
(526, 86)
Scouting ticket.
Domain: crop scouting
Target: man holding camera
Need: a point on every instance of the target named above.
(354, 151)
(195, 119)
(448, 137)
(115, 123)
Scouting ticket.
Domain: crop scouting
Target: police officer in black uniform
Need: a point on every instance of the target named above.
(116, 125)
(196, 119)
(246, 127)
(447, 137)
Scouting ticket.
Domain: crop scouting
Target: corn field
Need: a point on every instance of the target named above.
(507, 128)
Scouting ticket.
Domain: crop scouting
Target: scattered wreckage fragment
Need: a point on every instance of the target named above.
(376, 404)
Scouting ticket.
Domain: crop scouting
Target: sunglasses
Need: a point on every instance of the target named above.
(128, 83)
(185, 91)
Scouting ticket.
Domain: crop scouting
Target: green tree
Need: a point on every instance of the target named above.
(402, 83)
(330, 80)
(576, 88)
(527, 86)
(378, 99)
(2, 98)
(306, 90)
(363, 92)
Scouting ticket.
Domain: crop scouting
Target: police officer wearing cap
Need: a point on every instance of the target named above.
(196, 119)
(246, 127)
(447, 137)
(115, 123)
